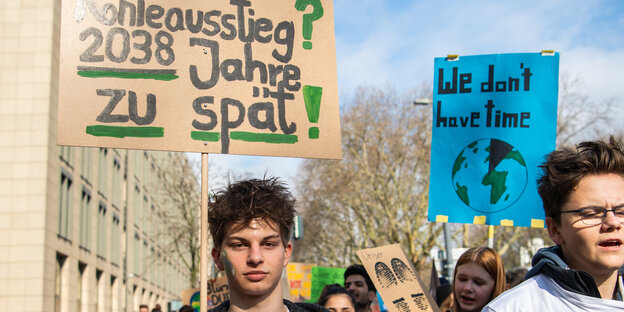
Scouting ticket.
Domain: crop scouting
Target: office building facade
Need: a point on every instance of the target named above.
(77, 226)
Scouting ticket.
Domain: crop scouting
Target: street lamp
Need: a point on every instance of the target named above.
(422, 101)
(447, 234)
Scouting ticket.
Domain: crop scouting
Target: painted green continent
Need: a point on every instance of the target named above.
(496, 179)
(462, 192)
(458, 162)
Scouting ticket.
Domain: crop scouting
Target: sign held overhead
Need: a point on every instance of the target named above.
(223, 76)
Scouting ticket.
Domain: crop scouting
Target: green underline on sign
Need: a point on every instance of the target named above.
(127, 73)
(264, 137)
(122, 132)
(205, 136)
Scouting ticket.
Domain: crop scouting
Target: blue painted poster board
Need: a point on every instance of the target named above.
(494, 119)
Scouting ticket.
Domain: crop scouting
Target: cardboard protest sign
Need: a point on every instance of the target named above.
(396, 280)
(218, 292)
(322, 276)
(300, 281)
(494, 119)
(219, 76)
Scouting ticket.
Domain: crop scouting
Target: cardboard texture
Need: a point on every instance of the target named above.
(218, 292)
(255, 78)
(300, 281)
(396, 279)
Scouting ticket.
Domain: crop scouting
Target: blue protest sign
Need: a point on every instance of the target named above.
(494, 119)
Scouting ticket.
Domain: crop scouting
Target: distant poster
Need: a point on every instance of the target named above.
(300, 281)
(322, 276)
(494, 119)
(218, 292)
(230, 77)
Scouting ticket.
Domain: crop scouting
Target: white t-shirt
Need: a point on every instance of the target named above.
(541, 293)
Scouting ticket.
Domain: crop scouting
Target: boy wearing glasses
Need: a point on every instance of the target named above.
(583, 194)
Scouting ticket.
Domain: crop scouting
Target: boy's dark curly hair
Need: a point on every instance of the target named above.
(234, 207)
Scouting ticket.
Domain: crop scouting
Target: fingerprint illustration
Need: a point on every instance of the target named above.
(384, 275)
(421, 301)
(402, 271)
(401, 305)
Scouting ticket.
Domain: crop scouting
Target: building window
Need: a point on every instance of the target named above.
(80, 291)
(114, 293)
(137, 205)
(58, 281)
(66, 154)
(65, 209)
(86, 163)
(115, 240)
(99, 291)
(103, 172)
(145, 212)
(101, 231)
(117, 183)
(146, 171)
(146, 259)
(137, 254)
(85, 218)
(153, 267)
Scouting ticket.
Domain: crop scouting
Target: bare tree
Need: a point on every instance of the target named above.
(579, 116)
(378, 193)
(179, 212)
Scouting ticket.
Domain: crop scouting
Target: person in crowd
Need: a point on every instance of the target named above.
(582, 189)
(336, 298)
(186, 308)
(361, 286)
(251, 222)
(479, 277)
(515, 276)
(442, 293)
(143, 308)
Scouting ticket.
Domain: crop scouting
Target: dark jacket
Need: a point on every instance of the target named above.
(292, 307)
(549, 261)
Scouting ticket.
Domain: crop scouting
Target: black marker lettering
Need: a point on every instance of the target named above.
(153, 13)
(254, 119)
(179, 19)
(116, 96)
(150, 113)
(197, 107)
(197, 26)
(213, 46)
(281, 98)
(226, 124)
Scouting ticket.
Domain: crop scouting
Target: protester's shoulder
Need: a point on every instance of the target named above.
(518, 298)
(302, 306)
(221, 308)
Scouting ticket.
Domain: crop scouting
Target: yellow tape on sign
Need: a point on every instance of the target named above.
(479, 220)
(537, 223)
(441, 218)
(506, 222)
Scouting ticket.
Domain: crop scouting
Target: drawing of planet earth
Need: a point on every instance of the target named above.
(489, 175)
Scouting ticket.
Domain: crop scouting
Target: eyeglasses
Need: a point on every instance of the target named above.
(597, 215)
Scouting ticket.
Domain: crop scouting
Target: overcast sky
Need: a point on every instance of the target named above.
(393, 43)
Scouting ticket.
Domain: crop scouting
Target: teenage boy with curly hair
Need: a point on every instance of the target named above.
(250, 223)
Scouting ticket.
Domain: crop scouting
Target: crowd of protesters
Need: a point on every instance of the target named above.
(582, 190)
